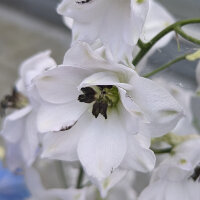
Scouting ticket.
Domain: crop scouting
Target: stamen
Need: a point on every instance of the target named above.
(196, 175)
(16, 100)
(100, 108)
(86, 98)
(103, 96)
(88, 90)
(88, 95)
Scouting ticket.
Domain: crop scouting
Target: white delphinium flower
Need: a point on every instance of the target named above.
(117, 23)
(99, 111)
(177, 177)
(157, 19)
(45, 181)
(185, 125)
(19, 128)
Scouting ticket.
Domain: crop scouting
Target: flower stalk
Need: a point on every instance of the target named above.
(165, 66)
(145, 47)
(80, 178)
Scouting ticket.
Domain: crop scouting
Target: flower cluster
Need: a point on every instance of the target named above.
(83, 129)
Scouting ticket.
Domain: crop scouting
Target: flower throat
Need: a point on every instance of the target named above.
(103, 96)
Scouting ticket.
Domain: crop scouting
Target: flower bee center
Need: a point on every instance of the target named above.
(16, 101)
(103, 98)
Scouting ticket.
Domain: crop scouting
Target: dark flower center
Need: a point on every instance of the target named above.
(16, 101)
(103, 96)
(196, 175)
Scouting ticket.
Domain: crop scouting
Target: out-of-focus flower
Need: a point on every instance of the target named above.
(185, 125)
(195, 101)
(45, 181)
(19, 128)
(12, 186)
(177, 177)
(118, 24)
(157, 19)
(122, 190)
(97, 106)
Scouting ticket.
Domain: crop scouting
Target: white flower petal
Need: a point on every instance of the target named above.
(59, 85)
(13, 126)
(14, 160)
(100, 78)
(189, 151)
(93, 61)
(162, 189)
(34, 65)
(30, 141)
(124, 189)
(107, 184)
(130, 105)
(63, 145)
(98, 148)
(89, 17)
(138, 157)
(160, 108)
(104, 78)
(68, 22)
(157, 19)
(59, 117)
(129, 122)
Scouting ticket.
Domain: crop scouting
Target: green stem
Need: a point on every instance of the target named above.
(165, 66)
(186, 36)
(141, 44)
(80, 178)
(145, 47)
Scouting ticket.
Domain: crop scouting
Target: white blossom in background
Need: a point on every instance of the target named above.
(185, 125)
(177, 177)
(19, 128)
(107, 185)
(117, 23)
(94, 106)
(122, 190)
(45, 181)
(195, 101)
(158, 18)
